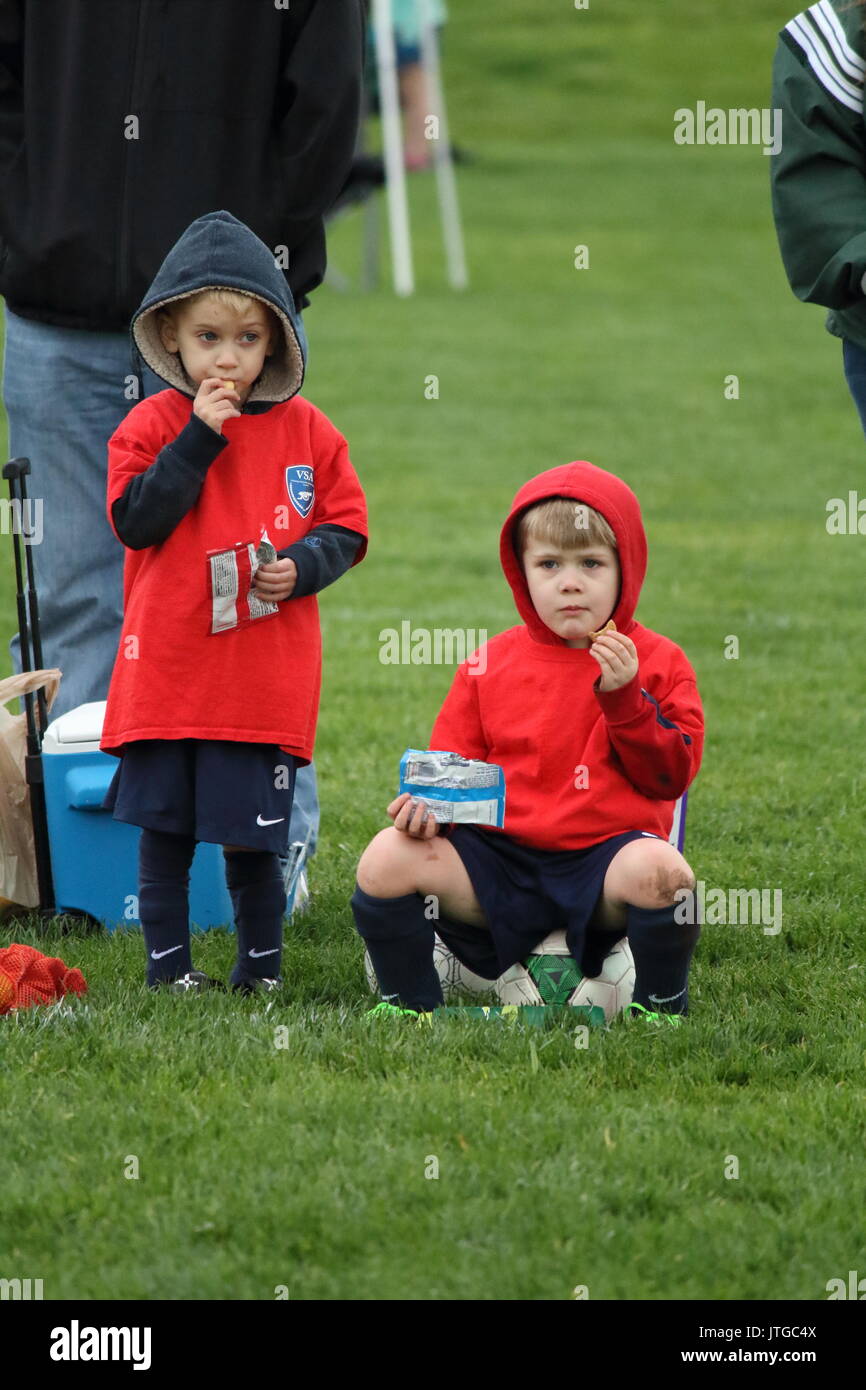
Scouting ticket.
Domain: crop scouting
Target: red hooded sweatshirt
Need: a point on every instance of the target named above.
(534, 707)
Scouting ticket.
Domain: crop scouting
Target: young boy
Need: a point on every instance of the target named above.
(598, 736)
(213, 700)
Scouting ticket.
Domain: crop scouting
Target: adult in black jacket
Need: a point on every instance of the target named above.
(121, 121)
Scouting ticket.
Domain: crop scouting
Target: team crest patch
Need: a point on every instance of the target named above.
(301, 488)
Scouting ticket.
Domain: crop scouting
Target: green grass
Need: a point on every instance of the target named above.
(304, 1165)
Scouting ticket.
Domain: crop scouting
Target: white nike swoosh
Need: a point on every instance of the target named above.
(666, 998)
(259, 821)
(254, 955)
(158, 955)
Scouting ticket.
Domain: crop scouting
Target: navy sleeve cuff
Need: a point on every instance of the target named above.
(322, 556)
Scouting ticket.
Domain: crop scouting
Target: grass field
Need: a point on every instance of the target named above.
(304, 1165)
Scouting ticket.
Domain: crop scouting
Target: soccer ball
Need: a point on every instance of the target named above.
(550, 975)
(455, 977)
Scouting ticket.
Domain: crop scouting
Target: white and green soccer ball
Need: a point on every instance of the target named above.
(550, 975)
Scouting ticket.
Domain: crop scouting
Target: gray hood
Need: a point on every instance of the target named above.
(219, 252)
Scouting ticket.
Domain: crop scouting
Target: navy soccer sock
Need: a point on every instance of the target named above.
(400, 941)
(163, 903)
(662, 948)
(255, 881)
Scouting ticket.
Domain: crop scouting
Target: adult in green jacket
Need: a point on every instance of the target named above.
(819, 174)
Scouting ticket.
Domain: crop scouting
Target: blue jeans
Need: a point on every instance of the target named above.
(854, 361)
(64, 394)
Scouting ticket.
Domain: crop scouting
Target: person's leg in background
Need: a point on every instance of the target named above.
(64, 395)
(854, 362)
(416, 104)
(415, 95)
(304, 826)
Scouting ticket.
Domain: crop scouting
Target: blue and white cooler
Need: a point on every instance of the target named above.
(94, 858)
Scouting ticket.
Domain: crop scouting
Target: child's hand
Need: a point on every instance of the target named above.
(276, 580)
(413, 817)
(616, 654)
(215, 403)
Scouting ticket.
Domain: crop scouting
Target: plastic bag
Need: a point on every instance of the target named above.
(18, 881)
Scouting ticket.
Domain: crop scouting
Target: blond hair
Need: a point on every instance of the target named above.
(235, 300)
(563, 523)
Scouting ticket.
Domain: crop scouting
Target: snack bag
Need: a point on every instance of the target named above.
(230, 576)
(459, 791)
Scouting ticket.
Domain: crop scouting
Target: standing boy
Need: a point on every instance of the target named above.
(215, 690)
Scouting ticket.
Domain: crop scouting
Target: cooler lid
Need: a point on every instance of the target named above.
(81, 725)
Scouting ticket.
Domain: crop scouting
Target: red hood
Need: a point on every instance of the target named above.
(618, 505)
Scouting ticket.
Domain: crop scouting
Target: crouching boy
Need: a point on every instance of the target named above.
(598, 735)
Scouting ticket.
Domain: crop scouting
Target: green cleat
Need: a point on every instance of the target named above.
(386, 1010)
(674, 1020)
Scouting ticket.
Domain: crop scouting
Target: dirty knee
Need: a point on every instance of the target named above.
(667, 884)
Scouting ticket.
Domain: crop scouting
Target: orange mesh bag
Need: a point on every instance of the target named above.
(27, 977)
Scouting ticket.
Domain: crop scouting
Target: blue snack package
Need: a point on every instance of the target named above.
(459, 791)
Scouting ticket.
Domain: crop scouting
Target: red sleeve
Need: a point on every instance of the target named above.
(458, 726)
(658, 738)
(130, 452)
(340, 498)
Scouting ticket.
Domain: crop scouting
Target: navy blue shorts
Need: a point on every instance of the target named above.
(525, 894)
(223, 792)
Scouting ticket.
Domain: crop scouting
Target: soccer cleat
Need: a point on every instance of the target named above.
(386, 1010)
(193, 982)
(265, 986)
(673, 1019)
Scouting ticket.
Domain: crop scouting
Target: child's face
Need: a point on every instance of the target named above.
(215, 341)
(574, 591)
